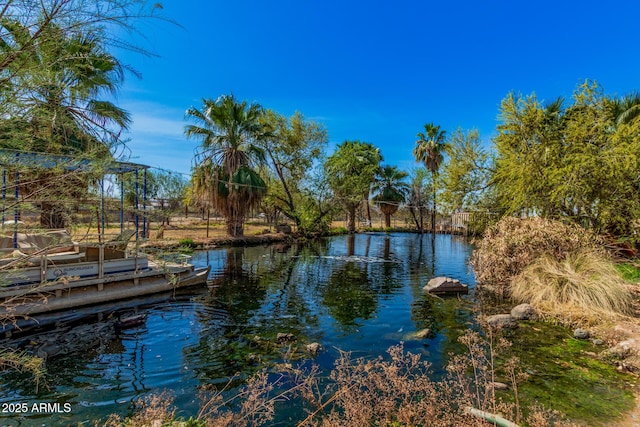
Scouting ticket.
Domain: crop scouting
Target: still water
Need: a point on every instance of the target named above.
(359, 293)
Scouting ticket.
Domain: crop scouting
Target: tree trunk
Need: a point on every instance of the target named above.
(433, 213)
(412, 210)
(368, 209)
(388, 210)
(351, 218)
(235, 227)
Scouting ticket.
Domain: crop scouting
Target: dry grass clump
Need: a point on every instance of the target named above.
(580, 287)
(509, 246)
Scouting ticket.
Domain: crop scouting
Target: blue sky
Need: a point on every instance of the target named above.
(370, 70)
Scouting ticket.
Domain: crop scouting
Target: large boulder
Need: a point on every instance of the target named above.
(445, 285)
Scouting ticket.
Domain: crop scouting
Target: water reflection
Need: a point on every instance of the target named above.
(359, 293)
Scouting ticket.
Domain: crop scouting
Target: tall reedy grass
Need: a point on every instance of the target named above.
(583, 286)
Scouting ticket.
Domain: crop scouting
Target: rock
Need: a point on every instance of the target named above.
(597, 341)
(314, 348)
(445, 285)
(130, 321)
(424, 333)
(48, 350)
(281, 337)
(502, 321)
(626, 348)
(581, 334)
(524, 312)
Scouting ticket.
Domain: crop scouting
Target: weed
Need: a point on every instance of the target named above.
(629, 271)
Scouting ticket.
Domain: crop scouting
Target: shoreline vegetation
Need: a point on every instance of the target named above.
(587, 361)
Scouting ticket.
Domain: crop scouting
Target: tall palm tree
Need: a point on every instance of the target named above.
(230, 154)
(390, 190)
(429, 150)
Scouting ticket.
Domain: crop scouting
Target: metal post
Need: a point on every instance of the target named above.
(144, 204)
(16, 215)
(102, 209)
(137, 217)
(121, 203)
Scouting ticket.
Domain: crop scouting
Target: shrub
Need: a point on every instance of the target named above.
(393, 391)
(582, 285)
(338, 231)
(510, 245)
(187, 243)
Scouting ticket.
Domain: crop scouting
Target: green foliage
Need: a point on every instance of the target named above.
(187, 243)
(390, 190)
(429, 150)
(292, 148)
(350, 172)
(230, 154)
(467, 173)
(578, 162)
(338, 231)
(629, 271)
(419, 196)
(430, 147)
(53, 90)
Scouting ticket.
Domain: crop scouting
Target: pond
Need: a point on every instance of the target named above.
(359, 293)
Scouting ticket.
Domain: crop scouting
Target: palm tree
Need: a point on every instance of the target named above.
(62, 81)
(625, 109)
(390, 190)
(57, 88)
(229, 131)
(429, 148)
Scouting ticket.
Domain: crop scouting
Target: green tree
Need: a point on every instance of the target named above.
(350, 172)
(390, 190)
(230, 153)
(429, 150)
(467, 174)
(293, 145)
(529, 145)
(575, 163)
